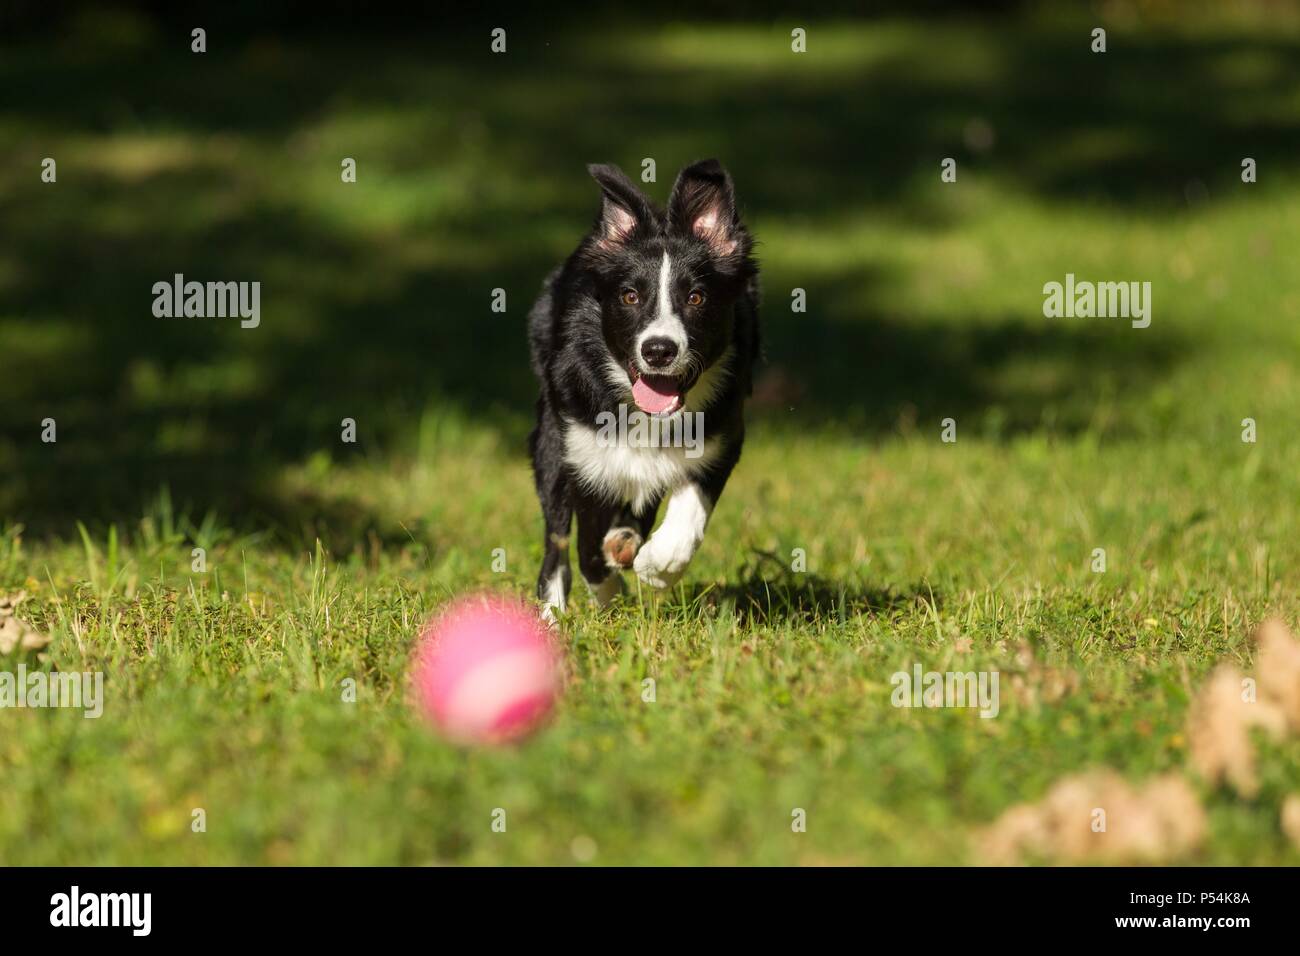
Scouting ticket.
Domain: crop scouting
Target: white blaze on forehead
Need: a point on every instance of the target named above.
(665, 292)
(667, 323)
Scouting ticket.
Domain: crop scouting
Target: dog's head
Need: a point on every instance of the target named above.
(667, 281)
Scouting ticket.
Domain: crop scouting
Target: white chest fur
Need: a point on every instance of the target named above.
(627, 473)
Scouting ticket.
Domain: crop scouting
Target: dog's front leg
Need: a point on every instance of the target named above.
(663, 558)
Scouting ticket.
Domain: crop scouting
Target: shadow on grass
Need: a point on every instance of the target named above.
(384, 315)
(870, 372)
(778, 595)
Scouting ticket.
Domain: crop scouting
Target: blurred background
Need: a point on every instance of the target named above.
(924, 300)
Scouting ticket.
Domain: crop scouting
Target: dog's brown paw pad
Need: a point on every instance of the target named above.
(621, 546)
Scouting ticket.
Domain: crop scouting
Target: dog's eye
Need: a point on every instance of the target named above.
(695, 298)
(630, 297)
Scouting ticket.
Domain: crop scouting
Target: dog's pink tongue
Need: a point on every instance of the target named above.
(654, 394)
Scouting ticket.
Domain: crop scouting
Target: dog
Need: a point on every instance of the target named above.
(653, 317)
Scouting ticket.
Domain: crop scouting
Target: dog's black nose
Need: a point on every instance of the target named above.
(658, 352)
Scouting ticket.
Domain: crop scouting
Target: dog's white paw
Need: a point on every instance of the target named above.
(553, 600)
(663, 558)
(661, 563)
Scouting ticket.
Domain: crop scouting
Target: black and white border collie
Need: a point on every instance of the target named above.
(656, 311)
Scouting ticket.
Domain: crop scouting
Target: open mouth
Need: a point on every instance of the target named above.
(658, 394)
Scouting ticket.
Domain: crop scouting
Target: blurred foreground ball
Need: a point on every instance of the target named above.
(484, 670)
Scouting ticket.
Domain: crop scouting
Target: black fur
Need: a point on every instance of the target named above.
(581, 321)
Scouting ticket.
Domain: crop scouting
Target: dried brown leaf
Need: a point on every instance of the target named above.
(14, 631)
(1218, 730)
(1099, 817)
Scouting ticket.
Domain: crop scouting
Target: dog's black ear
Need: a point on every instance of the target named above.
(623, 207)
(703, 204)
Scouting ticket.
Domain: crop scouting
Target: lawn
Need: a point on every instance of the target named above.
(852, 542)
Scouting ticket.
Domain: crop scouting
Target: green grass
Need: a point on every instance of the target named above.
(224, 688)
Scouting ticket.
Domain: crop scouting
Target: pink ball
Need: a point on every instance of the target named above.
(484, 670)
